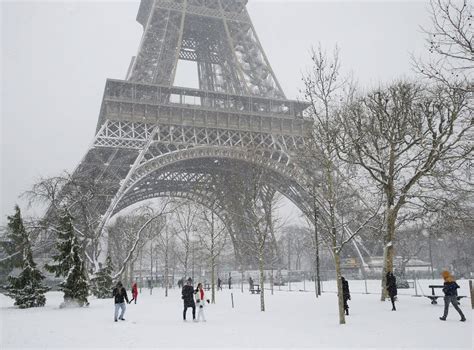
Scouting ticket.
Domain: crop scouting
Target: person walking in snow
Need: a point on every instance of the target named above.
(250, 283)
(134, 292)
(219, 283)
(346, 295)
(450, 295)
(391, 285)
(120, 296)
(188, 298)
(200, 301)
(150, 286)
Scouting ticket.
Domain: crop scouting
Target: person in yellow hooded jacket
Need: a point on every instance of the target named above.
(450, 295)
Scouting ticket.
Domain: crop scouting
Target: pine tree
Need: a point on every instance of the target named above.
(13, 245)
(69, 263)
(27, 288)
(102, 284)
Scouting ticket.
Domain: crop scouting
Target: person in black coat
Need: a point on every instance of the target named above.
(346, 295)
(120, 295)
(450, 291)
(187, 294)
(391, 284)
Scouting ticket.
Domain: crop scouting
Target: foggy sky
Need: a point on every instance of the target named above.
(56, 56)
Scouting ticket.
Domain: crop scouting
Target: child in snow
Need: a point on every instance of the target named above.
(450, 295)
(391, 284)
(120, 295)
(200, 301)
(134, 293)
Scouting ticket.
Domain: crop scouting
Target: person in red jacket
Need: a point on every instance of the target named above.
(134, 292)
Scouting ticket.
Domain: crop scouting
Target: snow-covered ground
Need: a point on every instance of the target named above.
(294, 319)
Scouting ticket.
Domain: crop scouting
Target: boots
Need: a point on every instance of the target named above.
(347, 312)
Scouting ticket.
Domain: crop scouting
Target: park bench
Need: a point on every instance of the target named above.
(255, 289)
(434, 297)
(207, 286)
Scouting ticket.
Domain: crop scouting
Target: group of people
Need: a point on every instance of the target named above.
(120, 297)
(450, 293)
(192, 297)
(181, 283)
(391, 286)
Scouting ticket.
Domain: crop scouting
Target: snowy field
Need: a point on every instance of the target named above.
(294, 319)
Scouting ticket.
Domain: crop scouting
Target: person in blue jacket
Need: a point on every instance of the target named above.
(450, 291)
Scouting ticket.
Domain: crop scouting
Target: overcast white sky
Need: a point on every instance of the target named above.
(56, 56)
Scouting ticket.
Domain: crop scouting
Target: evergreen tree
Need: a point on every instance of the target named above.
(27, 288)
(14, 243)
(102, 284)
(69, 263)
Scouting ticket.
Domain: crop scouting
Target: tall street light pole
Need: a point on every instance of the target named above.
(427, 234)
(316, 243)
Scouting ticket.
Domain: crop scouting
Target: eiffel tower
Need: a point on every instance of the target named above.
(154, 139)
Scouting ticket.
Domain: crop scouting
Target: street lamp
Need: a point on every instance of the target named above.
(317, 279)
(427, 233)
(192, 268)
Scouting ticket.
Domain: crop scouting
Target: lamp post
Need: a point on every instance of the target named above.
(316, 242)
(192, 272)
(427, 233)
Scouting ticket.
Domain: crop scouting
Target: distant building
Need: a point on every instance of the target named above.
(414, 264)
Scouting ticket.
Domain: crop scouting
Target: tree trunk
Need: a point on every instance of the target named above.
(213, 260)
(186, 258)
(262, 278)
(317, 280)
(388, 249)
(166, 280)
(131, 272)
(213, 279)
(125, 274)
(272, 284)
(340, 297)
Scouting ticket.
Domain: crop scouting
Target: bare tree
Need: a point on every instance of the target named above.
(78, 195)
(293, 240)
(326, 90)
(133, 234)
(260, 202)
(409, 243)
(398, 135)
(447, 204)
(185, 221)
(166, 246)
(450, 41)
(213, 239)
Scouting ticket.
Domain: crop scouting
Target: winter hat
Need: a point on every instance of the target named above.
(447, 276)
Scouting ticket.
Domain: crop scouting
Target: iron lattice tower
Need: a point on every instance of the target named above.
(154, 139)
